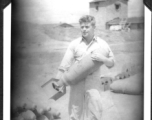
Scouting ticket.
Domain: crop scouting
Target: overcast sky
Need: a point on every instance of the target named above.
(69, 11)
(48, 11)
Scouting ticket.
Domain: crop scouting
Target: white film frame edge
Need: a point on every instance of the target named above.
(7, 52)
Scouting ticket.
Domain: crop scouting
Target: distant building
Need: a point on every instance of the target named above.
(135, 14)
(131, 23)
(106, 10)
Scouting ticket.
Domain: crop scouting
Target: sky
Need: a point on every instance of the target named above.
(53, 11)
(63, 11)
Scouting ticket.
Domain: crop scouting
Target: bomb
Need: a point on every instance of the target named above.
(80, 70)
(122, 75)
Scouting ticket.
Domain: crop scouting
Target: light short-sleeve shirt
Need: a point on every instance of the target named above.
(78, 48)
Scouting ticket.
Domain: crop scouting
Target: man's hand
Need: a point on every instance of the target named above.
(97, 56)
(109, 62)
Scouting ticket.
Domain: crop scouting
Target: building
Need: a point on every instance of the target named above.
(106, 10)
(131, 23)
(135, 19)
(135, 8)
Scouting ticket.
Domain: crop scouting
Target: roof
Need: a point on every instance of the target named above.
(136, 20)
(117, 20)
(93, 1)
(97, 1)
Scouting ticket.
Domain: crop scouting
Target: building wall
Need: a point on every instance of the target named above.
(107, 11)
(100, 15)
(135, 8)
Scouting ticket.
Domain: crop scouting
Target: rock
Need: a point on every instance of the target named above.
(21, 108)
(48, 114)
(14, 112)
(38, 111)
(30, 107)
(28, 115)
(18, 118)
(52, 113)
(43, 117)
(55, 113)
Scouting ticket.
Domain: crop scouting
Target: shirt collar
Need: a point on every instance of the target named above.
(93, 40)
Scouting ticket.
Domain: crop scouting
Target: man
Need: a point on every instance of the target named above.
(88, 43)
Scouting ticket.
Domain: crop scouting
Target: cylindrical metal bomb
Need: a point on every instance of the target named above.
(79, 71)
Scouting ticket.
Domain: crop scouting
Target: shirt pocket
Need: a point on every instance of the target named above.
(79, 53)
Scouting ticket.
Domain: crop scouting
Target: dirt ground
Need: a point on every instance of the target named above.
(37, 51)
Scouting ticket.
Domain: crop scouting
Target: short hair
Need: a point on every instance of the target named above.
(87, 19)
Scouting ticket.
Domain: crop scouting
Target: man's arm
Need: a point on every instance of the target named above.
(66, 61)
(108, 61)
(59, 74)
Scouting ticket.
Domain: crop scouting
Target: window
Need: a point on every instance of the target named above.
(117, 6)
(96, 6)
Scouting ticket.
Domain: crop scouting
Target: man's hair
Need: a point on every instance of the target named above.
(87, 19)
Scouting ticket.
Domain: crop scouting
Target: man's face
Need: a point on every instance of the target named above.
(87, 30)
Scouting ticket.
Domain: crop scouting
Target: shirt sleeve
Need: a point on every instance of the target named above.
(111, 55)
(107, 47)
(68, 58)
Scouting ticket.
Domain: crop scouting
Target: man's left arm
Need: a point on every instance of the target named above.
(109, 60)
